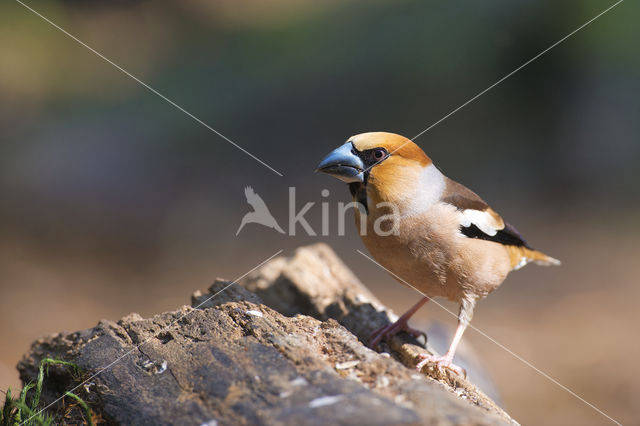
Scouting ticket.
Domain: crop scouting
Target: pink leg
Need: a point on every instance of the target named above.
(446, 361)
(398, 326)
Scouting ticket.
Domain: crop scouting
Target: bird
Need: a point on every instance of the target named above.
(440, 237)
(260, 213)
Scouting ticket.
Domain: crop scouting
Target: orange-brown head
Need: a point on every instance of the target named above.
(389, 165)
(401, 149)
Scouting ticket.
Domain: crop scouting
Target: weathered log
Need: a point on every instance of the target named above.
(317, 283)
(236, 360)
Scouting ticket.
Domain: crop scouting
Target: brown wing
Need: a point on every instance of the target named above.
(462, 197)
(475, 208)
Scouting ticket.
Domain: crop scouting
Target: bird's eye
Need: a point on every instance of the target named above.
(379, 153)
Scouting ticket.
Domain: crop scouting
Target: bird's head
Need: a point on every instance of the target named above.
(385, 162)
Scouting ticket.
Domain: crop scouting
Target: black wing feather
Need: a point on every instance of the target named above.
(509, 236)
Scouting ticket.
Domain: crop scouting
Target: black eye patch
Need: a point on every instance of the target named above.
(370, 157)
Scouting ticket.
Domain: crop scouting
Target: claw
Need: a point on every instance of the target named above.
(392, 329)
(416, 333)
(441, 363)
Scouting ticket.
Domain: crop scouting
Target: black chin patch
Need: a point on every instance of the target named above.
(359, 193)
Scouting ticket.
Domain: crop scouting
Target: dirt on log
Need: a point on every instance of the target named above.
(283, 347)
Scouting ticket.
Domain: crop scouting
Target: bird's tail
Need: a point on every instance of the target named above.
(541, 258)
(520, 256)
(242, 224)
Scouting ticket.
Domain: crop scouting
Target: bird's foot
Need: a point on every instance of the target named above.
(441, 363)
(392, 329)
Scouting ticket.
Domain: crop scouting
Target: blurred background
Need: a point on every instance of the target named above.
(113, 201)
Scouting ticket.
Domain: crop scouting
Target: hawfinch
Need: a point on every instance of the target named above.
(440, 237)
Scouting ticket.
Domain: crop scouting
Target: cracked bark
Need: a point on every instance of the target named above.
(238, 361)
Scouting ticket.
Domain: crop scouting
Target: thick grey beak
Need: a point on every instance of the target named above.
(344, 164)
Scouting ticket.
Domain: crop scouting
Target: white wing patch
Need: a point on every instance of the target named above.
(484, 220)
